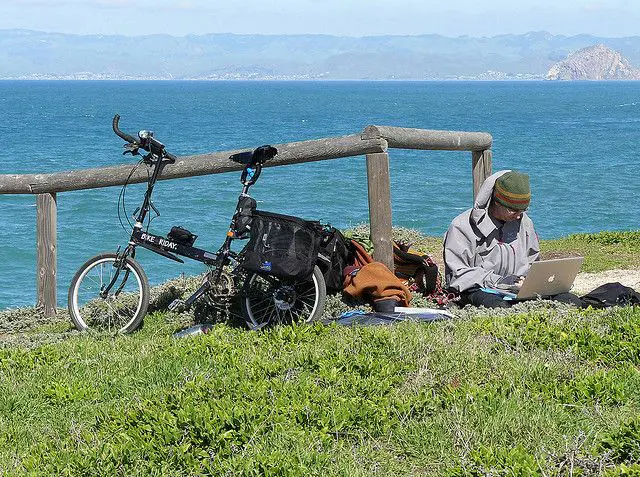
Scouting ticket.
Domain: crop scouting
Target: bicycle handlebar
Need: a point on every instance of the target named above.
(116, 129)
(145, 141)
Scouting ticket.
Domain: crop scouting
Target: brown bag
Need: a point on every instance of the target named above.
(361, 256)
(418, 271)
(373, 281)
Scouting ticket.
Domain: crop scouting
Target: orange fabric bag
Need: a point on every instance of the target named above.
(371, 280)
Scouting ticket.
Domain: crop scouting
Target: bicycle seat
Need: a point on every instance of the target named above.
(259, 155)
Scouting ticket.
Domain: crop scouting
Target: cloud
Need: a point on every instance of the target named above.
(59, 3)
(42, 3)
(337, 17)
(188, 5)
(113, 3)
(595, 7)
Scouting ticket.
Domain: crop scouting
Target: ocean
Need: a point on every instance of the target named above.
(577, 140)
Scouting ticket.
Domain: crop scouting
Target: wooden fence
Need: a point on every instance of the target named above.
(373, 142)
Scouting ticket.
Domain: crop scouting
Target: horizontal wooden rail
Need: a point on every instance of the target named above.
(373, 142)
(374, 139)
(187, 166)
(410, 138)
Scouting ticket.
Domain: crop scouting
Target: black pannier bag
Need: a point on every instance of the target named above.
(336, 253)
(281, 245)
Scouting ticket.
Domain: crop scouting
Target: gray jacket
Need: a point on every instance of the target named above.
(479, 250)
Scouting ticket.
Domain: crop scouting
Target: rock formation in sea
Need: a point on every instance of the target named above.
(597, 62)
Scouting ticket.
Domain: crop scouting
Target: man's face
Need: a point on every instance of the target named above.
(504, 214)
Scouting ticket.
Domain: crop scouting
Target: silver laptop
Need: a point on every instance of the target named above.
(548, 277)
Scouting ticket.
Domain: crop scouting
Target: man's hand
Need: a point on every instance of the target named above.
(510, 282)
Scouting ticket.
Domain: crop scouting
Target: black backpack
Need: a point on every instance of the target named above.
(612, 294)
(336, 253)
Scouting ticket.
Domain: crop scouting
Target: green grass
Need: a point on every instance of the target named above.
(602, 251)
(536, 390)
(453, 398)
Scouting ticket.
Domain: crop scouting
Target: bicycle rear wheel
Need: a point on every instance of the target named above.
(122, 309)
(271, 300)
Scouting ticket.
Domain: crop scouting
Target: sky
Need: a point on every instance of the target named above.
(452, 18)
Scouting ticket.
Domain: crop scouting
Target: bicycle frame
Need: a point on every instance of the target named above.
(157, 158)
(169, 248)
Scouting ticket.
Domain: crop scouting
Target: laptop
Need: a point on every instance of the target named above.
(545, 278)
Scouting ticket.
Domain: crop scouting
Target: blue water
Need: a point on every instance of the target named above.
(578, 141)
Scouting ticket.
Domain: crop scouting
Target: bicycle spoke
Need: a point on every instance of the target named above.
(258, 312)
(97, 282)
(266, 305)
(292, 318)
(309, 300)
(269, 299)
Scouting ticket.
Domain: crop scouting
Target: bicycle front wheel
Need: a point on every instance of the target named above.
(271, 300)
(120, 309)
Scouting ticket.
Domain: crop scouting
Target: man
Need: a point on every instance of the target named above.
(494, 243)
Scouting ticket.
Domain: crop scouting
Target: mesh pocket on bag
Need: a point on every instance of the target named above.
(281, 245)
(335, 254)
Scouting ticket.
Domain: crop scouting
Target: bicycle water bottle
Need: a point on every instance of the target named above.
(194, 330)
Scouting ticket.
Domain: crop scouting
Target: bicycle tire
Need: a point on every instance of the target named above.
(268, 300)
(125, 306)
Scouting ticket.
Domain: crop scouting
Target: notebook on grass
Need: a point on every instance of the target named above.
(545, 278)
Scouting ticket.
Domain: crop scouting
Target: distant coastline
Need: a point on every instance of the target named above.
(32, 55)
(265, 78)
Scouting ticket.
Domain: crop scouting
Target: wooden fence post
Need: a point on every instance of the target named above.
(380, 207)
(480, 168)
(46, 249)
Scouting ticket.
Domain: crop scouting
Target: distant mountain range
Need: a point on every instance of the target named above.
(28, 54)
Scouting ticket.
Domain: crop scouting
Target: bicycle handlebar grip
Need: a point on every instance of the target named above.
(130, 139)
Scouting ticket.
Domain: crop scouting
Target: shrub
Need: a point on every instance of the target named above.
(623, 443)
(492, 461)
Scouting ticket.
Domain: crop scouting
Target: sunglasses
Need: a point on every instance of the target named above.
(513, 211)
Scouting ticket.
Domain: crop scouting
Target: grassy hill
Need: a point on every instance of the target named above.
(539, 389)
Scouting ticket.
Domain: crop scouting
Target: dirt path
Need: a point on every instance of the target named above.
(585, 282)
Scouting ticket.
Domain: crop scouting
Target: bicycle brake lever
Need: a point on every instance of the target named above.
(131, 149)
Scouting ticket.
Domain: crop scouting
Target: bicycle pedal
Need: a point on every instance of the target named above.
(177, 305)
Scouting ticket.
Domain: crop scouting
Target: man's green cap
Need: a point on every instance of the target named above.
(512, 190)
